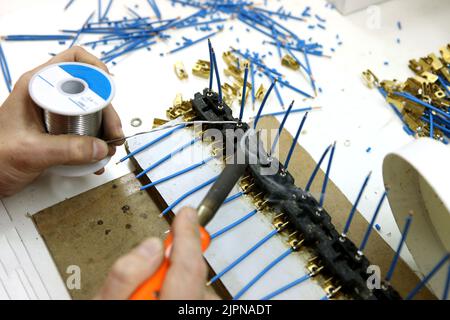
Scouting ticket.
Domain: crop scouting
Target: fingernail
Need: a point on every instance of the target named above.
(150, 248)
(100, 149)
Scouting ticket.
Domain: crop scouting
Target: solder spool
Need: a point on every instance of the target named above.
(73, 96)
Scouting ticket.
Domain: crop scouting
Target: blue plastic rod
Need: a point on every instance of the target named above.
(316, 169)
(294, 143)
(151, 143)
(327, 176)
(262, 273)
(372, 223)
(399, 248)
(287, 287)
(355, 205)
(243, 256)
(177, 174)
(424, 281)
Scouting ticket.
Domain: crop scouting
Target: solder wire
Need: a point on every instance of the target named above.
(262, 273)
(187, 194)
(243, 256)
(287, 287)
(167, 157)
(178, 173)
(151, 143)
(83, 125)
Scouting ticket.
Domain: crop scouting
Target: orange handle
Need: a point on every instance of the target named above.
(150, 289)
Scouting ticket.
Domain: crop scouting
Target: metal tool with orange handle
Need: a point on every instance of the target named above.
(150, 289)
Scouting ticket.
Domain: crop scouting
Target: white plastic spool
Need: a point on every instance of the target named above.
(73, 89)
(418, 179)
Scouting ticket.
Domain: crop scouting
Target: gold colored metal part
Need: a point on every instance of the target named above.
(201, 69)
(181, 108)
(230, 59)
(260, 92)
(180, 70)
(445, 53)
(290, 62)
(370, 78)
(425, 85)
(313, 268)
(331, 290)
(159, 122)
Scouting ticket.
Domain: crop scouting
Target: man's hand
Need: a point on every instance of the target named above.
(26, 150)
(187, 273)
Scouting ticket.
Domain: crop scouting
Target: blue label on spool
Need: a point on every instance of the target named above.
(96, 81)
(71, 88)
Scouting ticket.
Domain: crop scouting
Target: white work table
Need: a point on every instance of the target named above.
(356, 117)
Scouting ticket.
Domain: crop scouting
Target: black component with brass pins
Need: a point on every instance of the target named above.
(338, 256)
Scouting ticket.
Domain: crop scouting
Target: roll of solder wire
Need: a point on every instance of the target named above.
(73, 96)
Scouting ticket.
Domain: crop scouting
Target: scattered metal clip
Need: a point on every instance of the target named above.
(289, 62)
(180, 71)
(201, 69)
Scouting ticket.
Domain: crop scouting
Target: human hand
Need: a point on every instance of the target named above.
(26, 150)
(186, 277)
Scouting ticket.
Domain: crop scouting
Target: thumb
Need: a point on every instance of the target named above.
(132, 270)
(71, 150)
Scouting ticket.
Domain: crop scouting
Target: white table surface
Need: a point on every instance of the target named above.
(356, 117)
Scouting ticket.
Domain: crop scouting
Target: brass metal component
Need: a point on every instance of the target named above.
(290, 62)
(313, 268)
(435, 62)
(230, 59)
(201, 69)
(180, 70)
(371, 79)
(430, 77)
(260, 92)
(233, 71)
(178, 100)
(280, 225)
(445, 53)
(261, 204)
(331, 290)
(159, 122)
(180, 108)
(295, 243)
(419, 66)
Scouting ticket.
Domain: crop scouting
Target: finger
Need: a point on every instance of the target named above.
(112, 126)
(131, 270)
(186, 276)
(69, 150)
(100, 172)
(111, 150)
